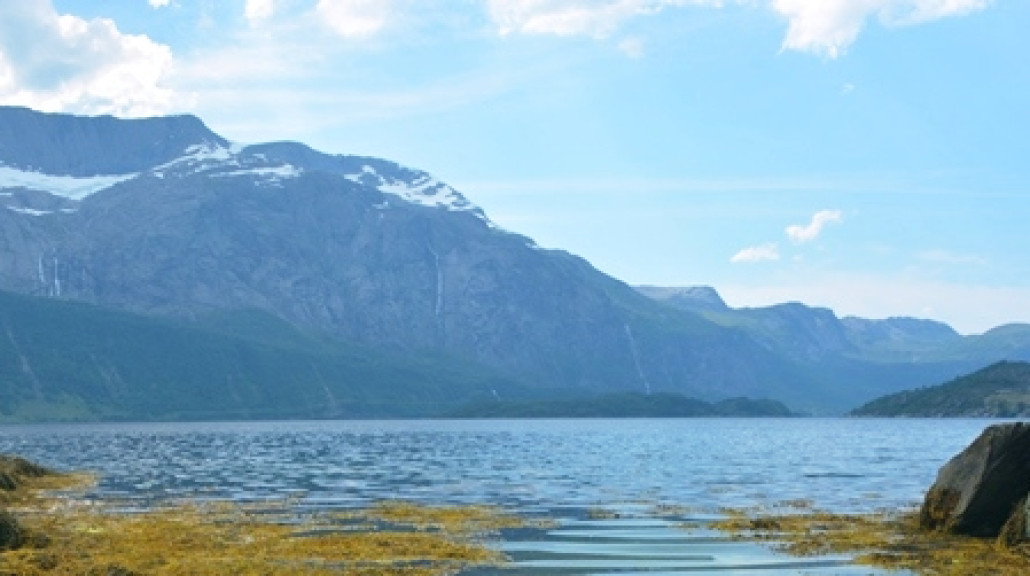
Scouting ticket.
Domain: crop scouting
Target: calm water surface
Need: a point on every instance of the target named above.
(651, 476)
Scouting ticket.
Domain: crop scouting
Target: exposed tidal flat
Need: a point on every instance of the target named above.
(591, 496)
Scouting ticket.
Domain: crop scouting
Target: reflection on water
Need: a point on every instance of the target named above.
(650, 476)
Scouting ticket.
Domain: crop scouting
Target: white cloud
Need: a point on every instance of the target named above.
(63, 63)
(826, 27)
(763, 253)
(159, 3)
(355, 19)
(829, 27)
(257, 11)
(800, 234)
(597, 19)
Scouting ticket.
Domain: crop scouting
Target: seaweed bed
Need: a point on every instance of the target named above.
(45, 529)
(889, 540)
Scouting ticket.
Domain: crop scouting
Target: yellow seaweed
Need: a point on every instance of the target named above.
(888, 540)
(69, 536)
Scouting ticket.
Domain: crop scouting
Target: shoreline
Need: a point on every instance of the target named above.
(61, 532)
(50, 531)
(890, 540)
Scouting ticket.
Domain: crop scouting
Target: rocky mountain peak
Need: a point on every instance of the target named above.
(80, 146)
(687, 298)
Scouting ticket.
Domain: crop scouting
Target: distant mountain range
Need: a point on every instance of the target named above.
(1001, 390)
(385, 268)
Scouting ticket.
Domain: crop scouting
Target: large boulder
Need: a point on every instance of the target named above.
(978, 490)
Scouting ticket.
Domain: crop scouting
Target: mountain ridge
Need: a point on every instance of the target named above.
(364, 250)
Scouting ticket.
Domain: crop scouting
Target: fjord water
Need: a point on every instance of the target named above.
(627, 495)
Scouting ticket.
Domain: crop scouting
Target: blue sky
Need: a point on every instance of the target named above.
(865, 155)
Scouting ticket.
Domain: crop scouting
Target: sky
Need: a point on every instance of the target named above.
(869, 156)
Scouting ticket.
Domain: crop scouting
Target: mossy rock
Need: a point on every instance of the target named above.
(19, 467)
(938, 507)
(12, 535)
(1014, 532)
(14, 470)
(977, 490)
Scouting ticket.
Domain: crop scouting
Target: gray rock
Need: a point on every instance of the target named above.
(981, 488)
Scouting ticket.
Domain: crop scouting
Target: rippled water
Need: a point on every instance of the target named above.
(647, 477)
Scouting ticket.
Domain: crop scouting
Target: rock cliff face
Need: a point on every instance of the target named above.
(164, 217)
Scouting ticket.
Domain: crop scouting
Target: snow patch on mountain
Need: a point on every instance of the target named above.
(71, 187)
(231, 161)
(265, 175)
(423, 190)
(199, 158)
(29, 211)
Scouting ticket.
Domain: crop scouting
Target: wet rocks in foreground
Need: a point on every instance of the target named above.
(984, 487)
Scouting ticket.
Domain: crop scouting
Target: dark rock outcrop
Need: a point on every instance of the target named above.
(981, 488)
(14, 470)
(12, 536)
(1015, 530)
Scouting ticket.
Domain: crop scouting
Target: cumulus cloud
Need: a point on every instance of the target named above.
(763, 253)
(800, 234)
(597, 19)
(55, 62)
(355, 19)
(159, 3)
(257, 11)
(829, 27)
(826, 27)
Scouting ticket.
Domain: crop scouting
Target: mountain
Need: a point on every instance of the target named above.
(692, 298)
(1001, 390)
(164, 218)
(182, 223)
(890, 355)
(62, 360)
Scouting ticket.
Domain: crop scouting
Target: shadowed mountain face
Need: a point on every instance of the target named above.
(163, 217)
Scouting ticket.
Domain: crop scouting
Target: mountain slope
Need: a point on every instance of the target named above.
(72, 361)
(1001, 390)
(165, 218)
(356, 248)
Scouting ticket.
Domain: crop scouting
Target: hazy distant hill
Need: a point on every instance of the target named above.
(1001, 390)
(629, 405)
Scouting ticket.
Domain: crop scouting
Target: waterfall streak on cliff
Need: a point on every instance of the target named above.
(636, 359)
